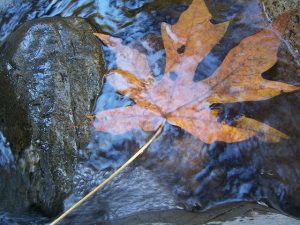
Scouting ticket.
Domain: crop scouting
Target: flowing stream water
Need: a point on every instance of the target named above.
(251, 170)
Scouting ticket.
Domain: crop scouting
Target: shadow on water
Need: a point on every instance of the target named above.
(179, 171)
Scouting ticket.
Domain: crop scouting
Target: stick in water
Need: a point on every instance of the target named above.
(137, 154)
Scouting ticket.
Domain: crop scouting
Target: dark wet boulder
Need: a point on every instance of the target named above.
(49, 79)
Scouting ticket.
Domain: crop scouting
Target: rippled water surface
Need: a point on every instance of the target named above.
(178, 171)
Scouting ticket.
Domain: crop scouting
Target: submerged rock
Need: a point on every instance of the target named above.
(50, 73)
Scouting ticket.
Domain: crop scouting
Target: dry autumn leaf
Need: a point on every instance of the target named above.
(184, 103)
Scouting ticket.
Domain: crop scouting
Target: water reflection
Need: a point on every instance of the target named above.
(6, 157)
(179, 170)
(119, 17)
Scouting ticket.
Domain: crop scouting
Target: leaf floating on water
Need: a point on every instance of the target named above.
(184, 103)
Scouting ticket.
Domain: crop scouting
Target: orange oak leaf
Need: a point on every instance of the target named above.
(177, 99)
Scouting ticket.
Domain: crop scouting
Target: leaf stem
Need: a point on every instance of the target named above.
(137, 154)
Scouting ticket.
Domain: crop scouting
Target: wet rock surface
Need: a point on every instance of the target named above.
(50, 74)
(228, 214)
(274, 8)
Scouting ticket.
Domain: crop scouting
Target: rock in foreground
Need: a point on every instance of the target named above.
(50, 73)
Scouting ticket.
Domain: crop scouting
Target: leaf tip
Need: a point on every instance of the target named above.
(274, 136)
(226, 24)
(291, 89)
(90, 117)
(107, 39)
(281, 22)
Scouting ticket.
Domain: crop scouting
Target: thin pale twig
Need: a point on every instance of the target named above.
(137, 154)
